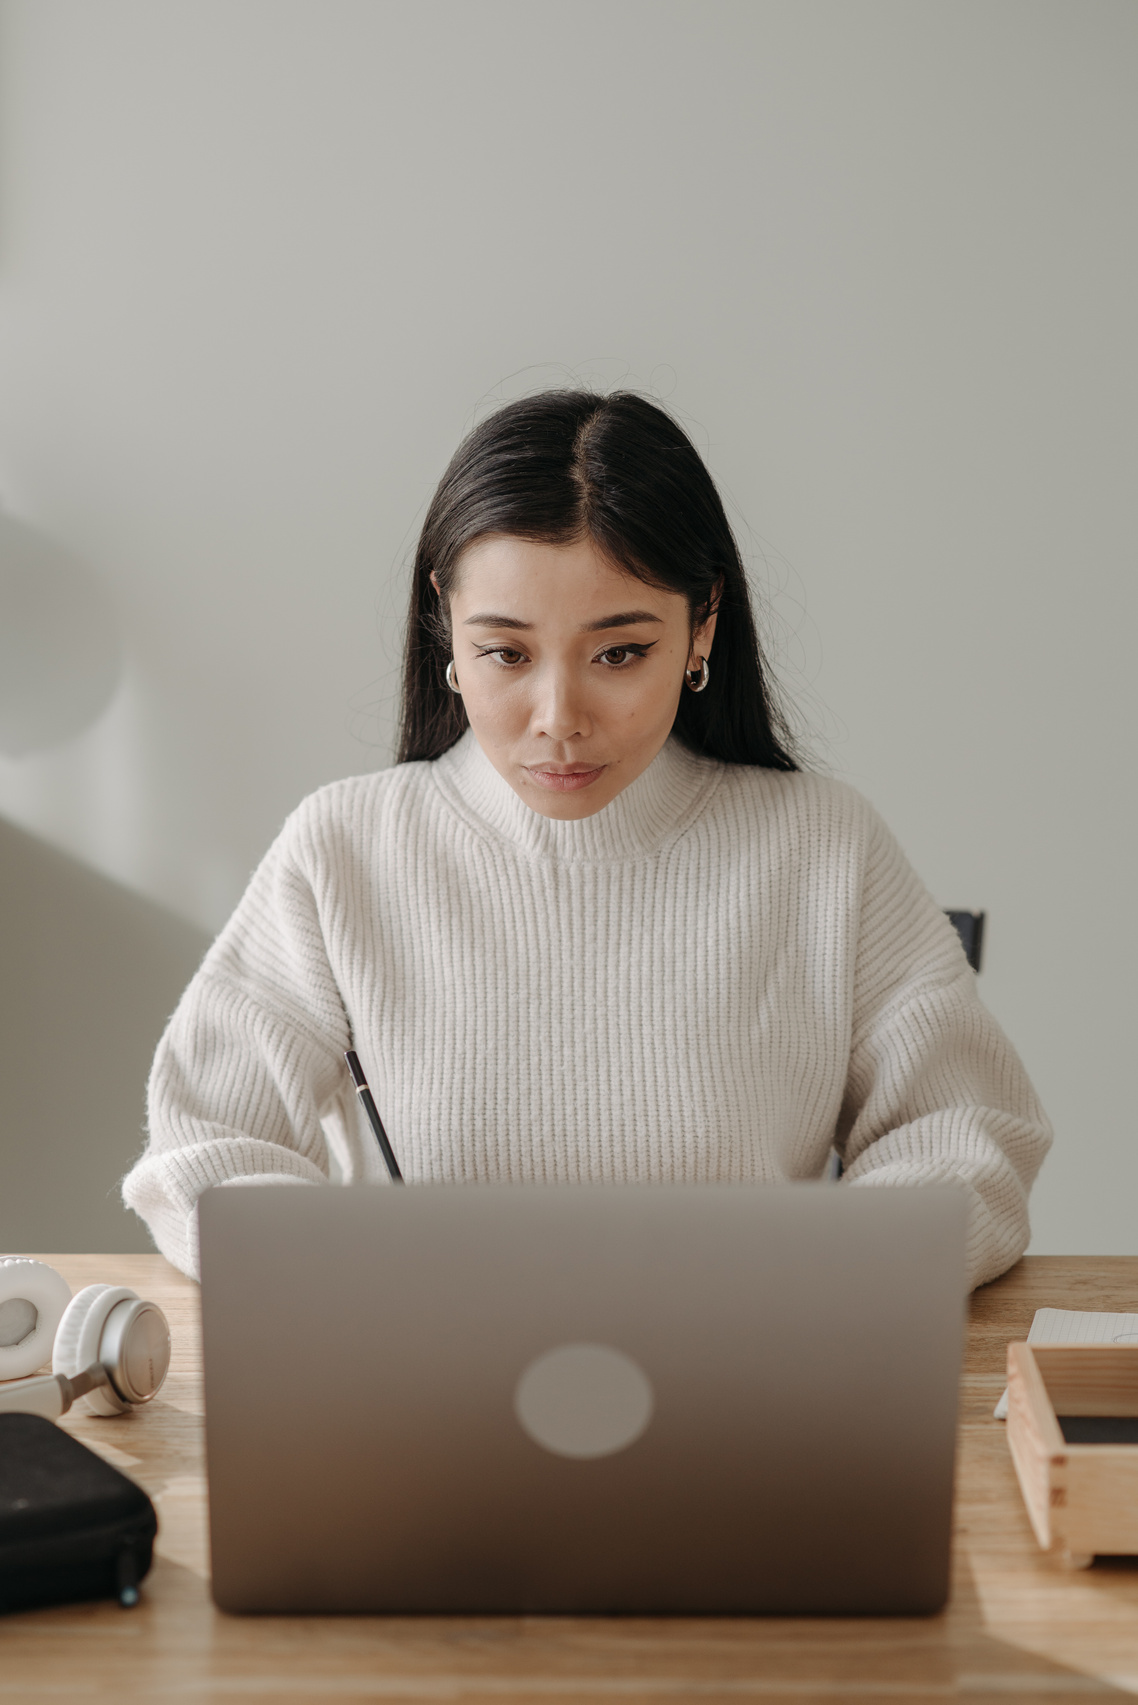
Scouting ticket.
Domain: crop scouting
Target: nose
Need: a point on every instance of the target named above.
(560, 711)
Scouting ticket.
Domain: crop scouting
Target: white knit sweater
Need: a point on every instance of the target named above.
(716, 977)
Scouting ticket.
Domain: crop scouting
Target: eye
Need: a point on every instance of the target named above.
(620, 656)
(506, 656)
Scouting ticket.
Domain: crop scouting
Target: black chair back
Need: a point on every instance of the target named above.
(969, 926)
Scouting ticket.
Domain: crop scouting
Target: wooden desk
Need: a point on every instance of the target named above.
(1018, 1626)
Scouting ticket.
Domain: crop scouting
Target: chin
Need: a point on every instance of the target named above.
(565, 807)
(567, 815)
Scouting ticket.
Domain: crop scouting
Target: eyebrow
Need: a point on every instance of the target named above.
(623, 619)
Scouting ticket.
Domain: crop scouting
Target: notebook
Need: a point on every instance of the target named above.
(1074, 1326)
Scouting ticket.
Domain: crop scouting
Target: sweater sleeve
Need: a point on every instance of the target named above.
(935, 1091)
(251, 1056)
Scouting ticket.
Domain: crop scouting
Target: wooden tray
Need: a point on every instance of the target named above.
(1082, 1498)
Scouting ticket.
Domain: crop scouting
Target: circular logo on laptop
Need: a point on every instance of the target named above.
(584, 1400)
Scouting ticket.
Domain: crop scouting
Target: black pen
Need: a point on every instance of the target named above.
(372, 1112)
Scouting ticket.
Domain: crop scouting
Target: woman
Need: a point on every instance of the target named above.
(596, 923)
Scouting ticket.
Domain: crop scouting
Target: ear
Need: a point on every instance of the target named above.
(703, 636)
(435, 584)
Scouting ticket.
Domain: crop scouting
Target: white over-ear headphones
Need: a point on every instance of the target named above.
(33, 1298)
(107, 1346)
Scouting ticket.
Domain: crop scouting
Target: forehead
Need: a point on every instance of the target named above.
(545, 581)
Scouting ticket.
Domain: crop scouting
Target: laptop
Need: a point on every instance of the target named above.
(688, 1399)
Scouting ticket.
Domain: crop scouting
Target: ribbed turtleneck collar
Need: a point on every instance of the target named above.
(657, 806)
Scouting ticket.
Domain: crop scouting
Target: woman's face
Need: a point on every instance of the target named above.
(570, 670)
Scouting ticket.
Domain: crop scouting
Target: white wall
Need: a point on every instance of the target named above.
(89, 971)
(262, 261)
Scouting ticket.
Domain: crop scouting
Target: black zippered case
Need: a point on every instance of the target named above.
(71, 1526)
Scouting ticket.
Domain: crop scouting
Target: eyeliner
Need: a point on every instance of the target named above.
(372, 1112)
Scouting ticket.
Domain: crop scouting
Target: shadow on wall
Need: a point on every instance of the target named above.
(60, 652)
(89, 973)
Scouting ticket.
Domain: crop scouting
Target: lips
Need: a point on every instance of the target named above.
(566, 778)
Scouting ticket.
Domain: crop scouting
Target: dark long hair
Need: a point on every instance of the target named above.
(616, 469)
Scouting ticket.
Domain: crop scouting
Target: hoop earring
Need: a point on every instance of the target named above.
(452, 679)
(697, 679)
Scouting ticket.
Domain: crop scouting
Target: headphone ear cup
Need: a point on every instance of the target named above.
(45, 1294)
(77, 1341)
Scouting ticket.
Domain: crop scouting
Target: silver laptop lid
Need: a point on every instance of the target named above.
(582, 1398)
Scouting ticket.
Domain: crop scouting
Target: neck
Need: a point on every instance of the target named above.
(651, 810)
